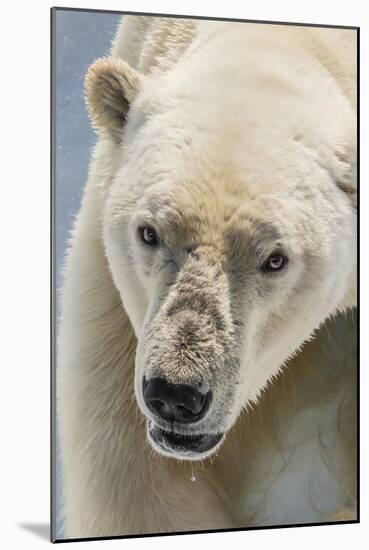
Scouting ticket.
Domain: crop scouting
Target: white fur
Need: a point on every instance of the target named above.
(269, 134)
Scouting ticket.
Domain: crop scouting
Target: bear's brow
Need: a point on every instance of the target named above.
(254, 238)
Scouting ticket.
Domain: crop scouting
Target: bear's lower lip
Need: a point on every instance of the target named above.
(179, 444)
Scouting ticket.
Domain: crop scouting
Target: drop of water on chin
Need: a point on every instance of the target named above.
(193, 477)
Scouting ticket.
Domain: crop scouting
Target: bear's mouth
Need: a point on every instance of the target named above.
(189, 446)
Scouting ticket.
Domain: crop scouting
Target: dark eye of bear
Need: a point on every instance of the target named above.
(148, 235)
(275, 262)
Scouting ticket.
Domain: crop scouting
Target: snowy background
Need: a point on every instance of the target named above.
(80, 38)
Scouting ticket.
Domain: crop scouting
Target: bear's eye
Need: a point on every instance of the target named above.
(148, 235)
(275, 262)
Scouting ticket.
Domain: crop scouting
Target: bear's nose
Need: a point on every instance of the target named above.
(175, 402)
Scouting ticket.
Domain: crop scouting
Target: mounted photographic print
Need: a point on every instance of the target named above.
(204, 366)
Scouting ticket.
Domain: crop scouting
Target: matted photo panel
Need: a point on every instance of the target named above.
(204, 235)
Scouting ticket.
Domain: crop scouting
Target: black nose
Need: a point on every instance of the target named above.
(175, 402)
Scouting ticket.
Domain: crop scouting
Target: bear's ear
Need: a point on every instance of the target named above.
(110, 87)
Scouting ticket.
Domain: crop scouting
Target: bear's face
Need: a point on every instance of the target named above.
(227, 255)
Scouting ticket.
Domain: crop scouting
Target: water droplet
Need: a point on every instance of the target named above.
(193, 477)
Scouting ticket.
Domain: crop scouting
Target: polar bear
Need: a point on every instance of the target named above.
(217, 233)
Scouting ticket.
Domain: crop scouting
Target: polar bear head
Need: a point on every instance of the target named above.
(229, 229)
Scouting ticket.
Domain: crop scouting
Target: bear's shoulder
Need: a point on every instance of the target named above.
(153, 44)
